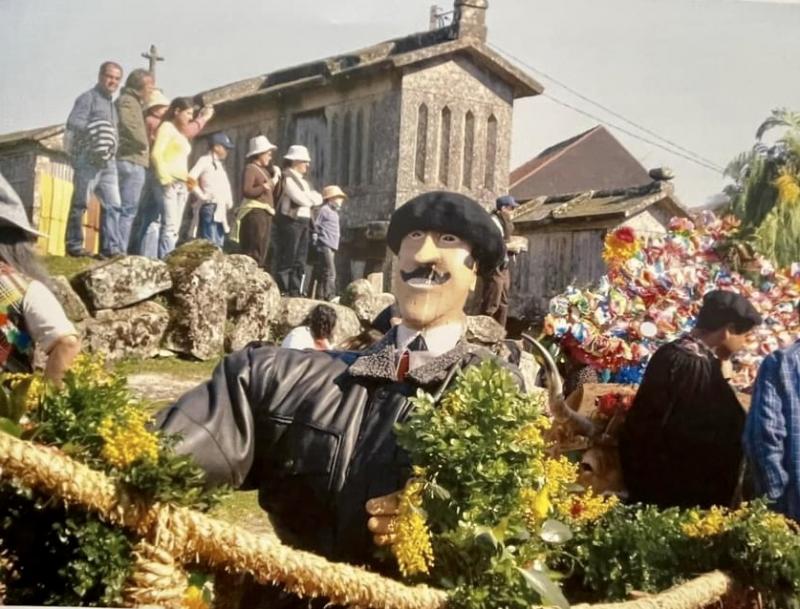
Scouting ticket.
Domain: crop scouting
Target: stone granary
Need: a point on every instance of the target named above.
(572, 195)
(428, 111)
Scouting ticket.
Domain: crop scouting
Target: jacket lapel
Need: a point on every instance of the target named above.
(378, 362)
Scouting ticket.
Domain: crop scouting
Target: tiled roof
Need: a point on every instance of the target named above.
(603, 204)
(395, 53)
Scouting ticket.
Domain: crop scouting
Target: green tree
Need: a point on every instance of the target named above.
(765, 193)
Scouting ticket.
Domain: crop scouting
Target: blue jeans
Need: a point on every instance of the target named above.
(208, 228)
(131, 182)
(173, 203)
(144, 236)
(89, 179)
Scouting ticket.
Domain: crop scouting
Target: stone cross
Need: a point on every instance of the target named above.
(152, 56)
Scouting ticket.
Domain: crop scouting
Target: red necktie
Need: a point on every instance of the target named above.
(402, 367)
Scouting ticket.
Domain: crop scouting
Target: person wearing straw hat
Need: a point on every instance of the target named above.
(254, 216)
(293, 221)
(30, 314)
(325, 237)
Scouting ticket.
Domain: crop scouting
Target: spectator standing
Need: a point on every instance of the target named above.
(772, 431)
(91, 140)
(681, 442)
(325, 237)
(147, 226)
(293, 220)
(498, 284)
(213, 192)
(170, 157)
(254, 216)
(133, 154)
(315, 333)
(30, 314)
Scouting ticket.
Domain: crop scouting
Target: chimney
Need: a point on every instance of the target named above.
(470, 19)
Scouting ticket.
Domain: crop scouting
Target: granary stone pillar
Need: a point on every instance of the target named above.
(470, 19)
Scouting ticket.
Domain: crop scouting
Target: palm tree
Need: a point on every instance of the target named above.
(765, 193)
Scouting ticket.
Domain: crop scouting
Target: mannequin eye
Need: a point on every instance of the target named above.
(416, 234)
(449, 239)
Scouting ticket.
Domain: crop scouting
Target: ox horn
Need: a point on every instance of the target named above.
(583, 425)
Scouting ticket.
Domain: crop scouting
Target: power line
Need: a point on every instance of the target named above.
(703, 164)
(696, 157)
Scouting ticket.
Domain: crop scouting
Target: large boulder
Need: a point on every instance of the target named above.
(484, 330)
(253, 300)
(135, 331)
(73, 305)
(293, 312)
(198, 301)
(361, 296)
(122, 282)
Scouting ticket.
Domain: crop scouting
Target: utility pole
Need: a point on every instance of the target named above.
(152, 56)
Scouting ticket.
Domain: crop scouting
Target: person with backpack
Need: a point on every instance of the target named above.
(254, 216)
(91, 140)
(293, 221)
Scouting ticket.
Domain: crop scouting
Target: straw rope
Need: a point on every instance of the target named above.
(700, 592)
(176, 535)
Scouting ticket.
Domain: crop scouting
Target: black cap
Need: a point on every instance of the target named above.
(450, 212)
(721, 307)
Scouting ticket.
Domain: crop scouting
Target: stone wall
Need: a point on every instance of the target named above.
(455, 132)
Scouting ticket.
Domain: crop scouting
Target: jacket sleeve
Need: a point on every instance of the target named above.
(215, 420)
(131, 122)
(300, 197)
(765, 431)
(79, 116)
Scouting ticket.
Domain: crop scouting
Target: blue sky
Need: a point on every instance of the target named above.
(702, 73)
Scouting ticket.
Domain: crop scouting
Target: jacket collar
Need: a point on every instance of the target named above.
(378, 362)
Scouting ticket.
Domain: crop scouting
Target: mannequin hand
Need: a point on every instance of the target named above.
(383, 511)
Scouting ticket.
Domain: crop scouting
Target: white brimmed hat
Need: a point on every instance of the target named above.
(297, 153)
(157, 98)
(259, 145)
(12, 211)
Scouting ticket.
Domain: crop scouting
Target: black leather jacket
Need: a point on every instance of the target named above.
(313, 432)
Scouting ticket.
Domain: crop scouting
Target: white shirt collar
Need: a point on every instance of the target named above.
(440, 339)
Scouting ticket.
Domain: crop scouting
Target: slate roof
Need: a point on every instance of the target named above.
(602, 205)
(392, 54)
(592, 160)
(48, 137)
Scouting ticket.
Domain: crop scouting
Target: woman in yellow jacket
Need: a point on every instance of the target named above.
(170, 159)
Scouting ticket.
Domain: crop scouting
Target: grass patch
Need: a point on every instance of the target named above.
(241, 508)
(67, 265)
(172, 366)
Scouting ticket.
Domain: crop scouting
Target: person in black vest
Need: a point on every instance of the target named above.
(498, 284)
(313, 431)
(681, 443)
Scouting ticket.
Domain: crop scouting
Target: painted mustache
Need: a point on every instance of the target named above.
(427, 274)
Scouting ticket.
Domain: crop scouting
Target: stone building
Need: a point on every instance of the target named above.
(428, 111)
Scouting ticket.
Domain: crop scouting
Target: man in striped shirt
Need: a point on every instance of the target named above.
(772, 431)
(91, 140)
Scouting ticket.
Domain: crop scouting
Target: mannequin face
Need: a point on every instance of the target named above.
(434, 274)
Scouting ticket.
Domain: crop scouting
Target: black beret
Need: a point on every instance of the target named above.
(450, 212)
(722, 307)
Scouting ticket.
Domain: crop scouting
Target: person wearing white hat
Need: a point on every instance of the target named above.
(254, 216)
(294, 221)
(30, 314)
